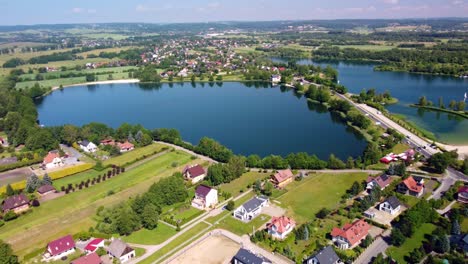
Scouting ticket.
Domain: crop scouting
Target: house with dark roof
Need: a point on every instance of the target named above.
(244, 256)
(391, 205)
(325, 256)
(45, 189)
(194, 173)
(205, 197)
(120, 250)
(280, 227)
(88, 146)
(16, 203)
(282, 178)
(462, 194)
(251, 208)
(92, 258)
(59, 248)
(381, 181)
(351, 234)
(411, 186)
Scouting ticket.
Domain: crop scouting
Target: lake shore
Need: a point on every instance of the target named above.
(462, 150)
(98, 82)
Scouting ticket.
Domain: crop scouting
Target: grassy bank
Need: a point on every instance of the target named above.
(438, 109)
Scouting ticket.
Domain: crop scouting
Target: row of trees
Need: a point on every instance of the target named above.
(453, 105)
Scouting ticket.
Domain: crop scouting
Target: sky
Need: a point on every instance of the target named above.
(27, 12)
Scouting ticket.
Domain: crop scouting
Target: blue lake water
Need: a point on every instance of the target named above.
(247, 118)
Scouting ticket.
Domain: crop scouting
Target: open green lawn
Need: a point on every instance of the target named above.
(94, 71)
(134, 154)
(74, 212)
(400, 148)
(187, 237)
(77, 178)
(186, 213)
(151, 237)
(241, 183)
(240, 228)
(368, 47)
(305, 198)
(139, 251)
(399, 253)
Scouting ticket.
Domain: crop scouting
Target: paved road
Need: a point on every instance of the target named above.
(446, 209)
(379, 245)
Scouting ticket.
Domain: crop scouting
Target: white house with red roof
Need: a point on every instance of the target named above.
(194, 173)
(126, 146)
(52, 160)
(411, 186)
(282, 178)
(280, 227)
(351, 234)
(205, 197)
(381, 181)
(94, 244)
(60, 248)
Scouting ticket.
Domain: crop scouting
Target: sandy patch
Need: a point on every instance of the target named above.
(213, 250)
(100, 82)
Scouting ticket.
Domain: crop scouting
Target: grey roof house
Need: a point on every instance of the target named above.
(245, 256)
(120, 250)
(325, 256)
(251, 208)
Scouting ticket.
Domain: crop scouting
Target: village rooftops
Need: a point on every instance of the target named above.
(61, 245)
(281, 224)
(45, 189)
(194, 171)
(51, 156)
(283, 175)
(393, 201)
(202, 190)
(382, 180)
(248, 257)
(352, 232)
(92, 258)
(15, 201)
(118, 248)
(93, 245)
(325, 256)
(412, 185)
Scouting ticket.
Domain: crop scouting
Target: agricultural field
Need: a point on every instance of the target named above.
(134, 154)
(77, 178)
(56, 217)
(368, 47)
(248, 178)
(151, 237)
(399, 253)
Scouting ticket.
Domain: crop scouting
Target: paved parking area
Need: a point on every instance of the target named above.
(273, 210)
(375, 231)
(385, 218)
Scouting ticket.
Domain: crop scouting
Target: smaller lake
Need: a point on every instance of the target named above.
(247, 118)
(408, 88)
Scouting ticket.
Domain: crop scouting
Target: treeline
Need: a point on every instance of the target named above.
(143, 211)
(43, 59)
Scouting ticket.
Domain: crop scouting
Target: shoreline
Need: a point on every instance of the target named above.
(98, 82)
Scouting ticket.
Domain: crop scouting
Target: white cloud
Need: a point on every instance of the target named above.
(80, 10)
(458, 2)
(391, 2)
(77, 10)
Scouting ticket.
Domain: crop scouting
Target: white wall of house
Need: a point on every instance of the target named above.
(385, 206)
(341, 242)
(211, 198)
(198, 178)
(57, 162)
(90, 148)
(127, 257)
(274, 233)
(59, 256)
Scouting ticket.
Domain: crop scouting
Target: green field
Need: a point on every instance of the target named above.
(368, 47)
(241, 183)
(151, 237)
(93, 71)
(240, 228)
(70, 81)
(77, 178)
(399, 253)
(74, 212)
(305, 198)
(134, 154)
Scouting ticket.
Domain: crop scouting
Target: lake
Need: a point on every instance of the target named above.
(408, 88)
(247, 118)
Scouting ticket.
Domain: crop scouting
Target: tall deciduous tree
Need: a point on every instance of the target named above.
(6, 254)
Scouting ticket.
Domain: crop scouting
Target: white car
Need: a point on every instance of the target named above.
(378, 123)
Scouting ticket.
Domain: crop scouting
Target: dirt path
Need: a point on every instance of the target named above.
(206, 158)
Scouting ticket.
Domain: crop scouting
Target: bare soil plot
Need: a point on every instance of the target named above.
(14, 175)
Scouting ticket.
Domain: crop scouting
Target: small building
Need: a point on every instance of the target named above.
(275, 78)
(45, 189)
(94, 245)
(92, 258)
(350, 235)
(370, 213)
(120, 250)
(126, 146)
(108, 141)
(391, 205)
(16, 203)
(412, 187)
(282, 178)
(325, 256)
(194, 173)
(52, 160)
(2, 141)
(244, 256)
(205, 197)
(60, 248)
(88, 147)
(280, 227)
(381, 181)
(251, 208)
(462, 195)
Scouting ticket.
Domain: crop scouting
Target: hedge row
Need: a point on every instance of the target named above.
(19, 164)
(70, 171)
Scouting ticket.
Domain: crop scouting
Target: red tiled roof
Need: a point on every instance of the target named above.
(61, 245)
(92, 246)
(412, 185)
(352, 232)
(51, 156)
(15, 201)
(92, 258)
(195, 171)
(282, 175)
(281, 223)
(125, 145)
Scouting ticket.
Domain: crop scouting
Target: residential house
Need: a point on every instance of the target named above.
(94, 245)
(244, 256)
(60, 248)
(88, 147)
(411, 186)
(52, 160)
(2, 141)
(280, 227)
(391, 205)
(282, 178)
(463, 194)
(92, 258)
(251, 208)
(194, 173)
(205, 197)
(351, 234)
(275, 78)
(126, 146)
(381, 181)
(16, 203)
(45, 189)
(108, 141)
(325, 256)
(120, 250)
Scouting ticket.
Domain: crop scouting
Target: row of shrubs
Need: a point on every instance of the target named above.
(90, 182)
(19, 164)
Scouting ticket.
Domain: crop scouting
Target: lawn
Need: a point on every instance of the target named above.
(151, 237)
(187, 237)
(399, 253)
(241, 183)
(400, 148)
(305, 198)
(74, 212)
(240, 228)
(134, 154)
(237, 203)
(368, 47)
(464, 225)
(94, 71)
(77, 178)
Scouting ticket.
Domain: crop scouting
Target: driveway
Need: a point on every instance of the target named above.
(379, 245)
(73, 154)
